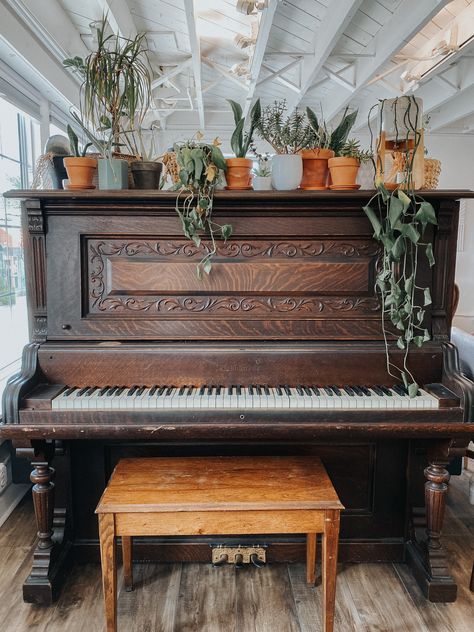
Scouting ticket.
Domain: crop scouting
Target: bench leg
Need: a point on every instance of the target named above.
(127, 562)
(109, 569)
(330, 541)
(310, 558)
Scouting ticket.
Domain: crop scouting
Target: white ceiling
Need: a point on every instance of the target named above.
(328, 54)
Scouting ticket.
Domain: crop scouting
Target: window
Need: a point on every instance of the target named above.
(19, 149)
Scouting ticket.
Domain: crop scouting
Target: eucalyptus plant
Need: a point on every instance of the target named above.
(286, 133)
(200, 165)
(400, 220)
(241, 140)
(116, 83)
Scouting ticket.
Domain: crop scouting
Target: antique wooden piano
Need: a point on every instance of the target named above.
(278, 351)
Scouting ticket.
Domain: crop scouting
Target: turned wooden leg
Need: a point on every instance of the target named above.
(310, 558)
(43, 501)
(330, 542)
(436, 489)
(127, 562)
(109, 569)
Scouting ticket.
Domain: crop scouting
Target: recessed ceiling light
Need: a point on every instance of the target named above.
(247, 7)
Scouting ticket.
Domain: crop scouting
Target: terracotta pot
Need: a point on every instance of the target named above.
(238, 173)
(80, 172)
(344, 172)
(315, 168)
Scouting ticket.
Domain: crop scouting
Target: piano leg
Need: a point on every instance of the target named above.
(425, 553)
(51, 556)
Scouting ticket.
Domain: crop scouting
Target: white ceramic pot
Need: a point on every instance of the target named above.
(262, 184)
(287, 171)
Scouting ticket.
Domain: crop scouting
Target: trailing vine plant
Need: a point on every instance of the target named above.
(199, 166)
(400, 219)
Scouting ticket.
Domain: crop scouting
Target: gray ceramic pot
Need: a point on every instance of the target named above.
(113, 173)
(146, 175)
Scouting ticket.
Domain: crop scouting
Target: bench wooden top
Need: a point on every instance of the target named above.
(169, 484)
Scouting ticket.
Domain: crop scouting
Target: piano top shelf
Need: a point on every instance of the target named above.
(136, 194)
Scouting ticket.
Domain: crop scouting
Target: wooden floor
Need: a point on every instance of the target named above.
(199, 598)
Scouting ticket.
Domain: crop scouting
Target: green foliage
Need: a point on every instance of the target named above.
(200, 165)
(322, 138)
(399, 220)
(241, 141)
(351, 149)
(262, 172)
(287, 134)
(116, 83)
(74, 142)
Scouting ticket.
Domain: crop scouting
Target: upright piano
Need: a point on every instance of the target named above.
(279, 350)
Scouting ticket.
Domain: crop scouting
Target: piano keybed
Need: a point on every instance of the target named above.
(239, 397)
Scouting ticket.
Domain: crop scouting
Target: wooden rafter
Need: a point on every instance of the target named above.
(196, 57)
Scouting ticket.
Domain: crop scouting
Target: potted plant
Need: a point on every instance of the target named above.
(146, 170)
(288, 135)
(262, 178)
(80, 168)
(115, 96)
(56, 149)
(321, 146)
(238, 168)
(200, 165)
(344, 167)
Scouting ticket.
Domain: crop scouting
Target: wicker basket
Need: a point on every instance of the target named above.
(432, 172)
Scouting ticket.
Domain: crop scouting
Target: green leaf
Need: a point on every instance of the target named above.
(395, 210)
(426, 336)
(409, 281)
(374, 220)
(420, 315)
(404, 199)
(400, 343)
(218, 158)
(410, 231)
(236, 109)
(236, 141)
(383, 191)
(226, 231)
(426, 214)
(429, 255)
(256, 114)
(206, 266)
(418, 341)
(413, 389)
(398, 248)
(427, 296)
(184, 176)
(196, 238)
(313, 119)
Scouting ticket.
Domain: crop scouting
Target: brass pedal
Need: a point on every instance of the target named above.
(239, 555)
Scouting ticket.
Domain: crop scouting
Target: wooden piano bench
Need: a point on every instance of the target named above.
(219, 496)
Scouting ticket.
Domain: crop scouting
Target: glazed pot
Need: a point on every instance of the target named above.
(113, 174)
(238, 173)
(261, 183)
(287, 170)
(344, 172)
(80, 171)
(146, 174)
(315, 168)
(58, 171)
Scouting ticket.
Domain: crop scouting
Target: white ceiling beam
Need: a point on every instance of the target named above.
(277, 73)
(58, 27)
(119, 17)
(264, 28)
(458, 108)
(404, 24)
(53, 80)
(337, 78)
(326, 37)
(196, 57)
(226, 73)
(178, 69)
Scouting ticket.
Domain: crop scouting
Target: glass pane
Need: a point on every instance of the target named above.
(9, 143)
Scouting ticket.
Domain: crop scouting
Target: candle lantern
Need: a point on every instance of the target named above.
(400, 146)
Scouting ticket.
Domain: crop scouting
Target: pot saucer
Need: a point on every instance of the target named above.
(349, 187)
(75, 187)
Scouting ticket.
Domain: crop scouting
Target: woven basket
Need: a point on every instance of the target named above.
(432, 172)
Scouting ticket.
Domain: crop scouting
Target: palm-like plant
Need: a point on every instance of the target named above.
(115, 91)
(241, 141)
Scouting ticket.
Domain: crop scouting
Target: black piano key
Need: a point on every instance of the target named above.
(399, 390)
(190, 391)
(251, 389)
(103, 391)
(210, 390)
(202, 390)
(218, 390)
(169, 390)
(315, 390)
(377, 390)
(83, 390)
(161, 390)
(132, 391)
(336, 390)
(230, 390)
(141, 390)
(120, 390)
(69, 390)
(89, 391)
(111, 391)
(153, 390)
(307, 390)
(287, 390)
(266, 389)
(239, 389)
(328, 391)
(365, 390)
(258, 388)
(181, 391)
(357, 390)
(279, 391)
(349, 391)
(386, 391)
(299, 390)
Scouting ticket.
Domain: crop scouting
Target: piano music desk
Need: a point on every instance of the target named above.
(219, 496)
